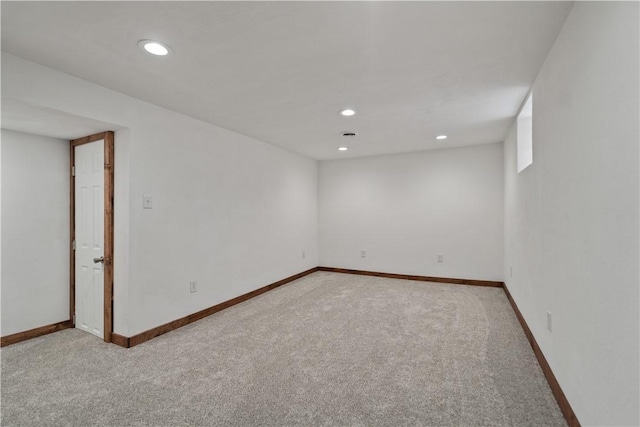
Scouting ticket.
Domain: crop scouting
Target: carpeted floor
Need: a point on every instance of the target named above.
(327, 349)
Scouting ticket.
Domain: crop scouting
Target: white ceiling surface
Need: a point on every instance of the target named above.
(281, 71)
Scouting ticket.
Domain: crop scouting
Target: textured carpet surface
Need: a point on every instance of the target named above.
(327, 349)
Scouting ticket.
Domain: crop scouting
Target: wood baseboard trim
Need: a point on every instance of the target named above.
(36, 332)
(128, 342)
(120, 340)
(563, 403)
(471, 282)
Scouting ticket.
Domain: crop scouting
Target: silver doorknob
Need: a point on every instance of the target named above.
(97, 260)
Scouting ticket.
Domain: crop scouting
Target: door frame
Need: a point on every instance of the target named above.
(108, 138)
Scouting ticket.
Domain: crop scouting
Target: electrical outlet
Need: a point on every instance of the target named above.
(549, 321)
(147, 202)
(193, 286)
(363, 254)
(440, 258)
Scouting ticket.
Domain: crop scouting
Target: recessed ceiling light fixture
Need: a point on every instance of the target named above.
(343, 149)
(348, 112)
(153, 47)
(441, 137)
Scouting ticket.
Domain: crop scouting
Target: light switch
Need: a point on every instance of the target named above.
(147, 202)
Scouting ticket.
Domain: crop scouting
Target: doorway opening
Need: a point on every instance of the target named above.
(91, 240)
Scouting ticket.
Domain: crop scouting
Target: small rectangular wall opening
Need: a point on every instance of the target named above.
(525, 135)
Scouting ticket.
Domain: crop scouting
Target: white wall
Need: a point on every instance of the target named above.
(405, 209)
(35, 231)
(230, 212)
(571, 218)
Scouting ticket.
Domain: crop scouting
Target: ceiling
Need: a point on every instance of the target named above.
(281, 71)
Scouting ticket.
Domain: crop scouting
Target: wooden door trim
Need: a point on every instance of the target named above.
(108, 138)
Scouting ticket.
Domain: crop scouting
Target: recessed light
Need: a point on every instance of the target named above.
(441, 137)
(154, 47)
(343, 149)
(348, 112)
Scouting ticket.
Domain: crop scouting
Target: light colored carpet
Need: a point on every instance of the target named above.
(328, 349)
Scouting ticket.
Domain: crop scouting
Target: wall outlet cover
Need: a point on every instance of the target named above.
(147, 202)
(549, 328)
